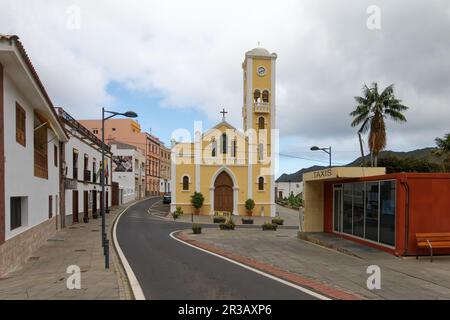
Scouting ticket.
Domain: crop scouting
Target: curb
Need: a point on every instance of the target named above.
(305, 237)
(132, 280)
(316, 287)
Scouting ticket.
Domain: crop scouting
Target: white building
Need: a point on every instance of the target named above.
(128, 170)
(288, 184)
(31, 137)
(82, 163)
(285, 189)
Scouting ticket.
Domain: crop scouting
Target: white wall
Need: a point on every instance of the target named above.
(19, 166)
(295, 188)
(127, 180)
(83, 148)
(164, 185)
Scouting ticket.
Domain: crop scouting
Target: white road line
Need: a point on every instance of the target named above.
(307, 291)
(134, 283)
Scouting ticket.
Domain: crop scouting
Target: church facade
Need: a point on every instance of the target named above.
(228, 165)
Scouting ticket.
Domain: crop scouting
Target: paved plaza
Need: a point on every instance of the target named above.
(401, 278)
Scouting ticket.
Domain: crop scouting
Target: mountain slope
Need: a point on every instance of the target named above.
(419, 154)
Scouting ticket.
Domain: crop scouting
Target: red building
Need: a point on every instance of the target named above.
(382, 211)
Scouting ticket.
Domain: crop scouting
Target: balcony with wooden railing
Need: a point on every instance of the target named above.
(261, 107)
(87, 176)
(83, 131)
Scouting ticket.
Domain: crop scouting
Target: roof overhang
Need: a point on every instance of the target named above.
(19, 69)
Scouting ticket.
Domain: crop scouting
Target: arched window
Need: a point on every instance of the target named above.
(265, 96)
(233, 148)
(261, 123)
(213, 147)
(261, 152)
(257, 96)
(224, 143)
(261, 183)
(185, 183)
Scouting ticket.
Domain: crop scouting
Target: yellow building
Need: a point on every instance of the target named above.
(227, 165)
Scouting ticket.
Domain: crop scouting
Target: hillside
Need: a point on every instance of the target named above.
(419, 154)
(297, 176)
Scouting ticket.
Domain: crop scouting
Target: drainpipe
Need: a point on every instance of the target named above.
(404, 182)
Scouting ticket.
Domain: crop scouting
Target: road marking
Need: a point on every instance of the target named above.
(134, 283)
(267, 275)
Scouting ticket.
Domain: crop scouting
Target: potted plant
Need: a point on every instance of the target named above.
(277, 221)
(196, 228)
(219, 219)
(197, 200)
(269, 226)
(177, 213)
(247, 220)
(249, 206)
(229, 225)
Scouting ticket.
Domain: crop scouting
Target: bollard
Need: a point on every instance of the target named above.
(106, 254)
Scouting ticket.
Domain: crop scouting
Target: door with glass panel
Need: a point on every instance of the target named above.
(337, 208)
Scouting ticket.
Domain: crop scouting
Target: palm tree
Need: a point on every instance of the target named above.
(443, 149)
(373, 107)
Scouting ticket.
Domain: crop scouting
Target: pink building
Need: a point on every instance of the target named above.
(129, 131)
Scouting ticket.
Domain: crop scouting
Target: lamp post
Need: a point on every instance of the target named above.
(105, 241)
(326, 150)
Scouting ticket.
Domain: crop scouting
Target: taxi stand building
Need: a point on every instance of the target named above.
(384, 211)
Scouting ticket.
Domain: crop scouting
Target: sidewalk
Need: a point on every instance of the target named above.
(400, 278)
(44, 275)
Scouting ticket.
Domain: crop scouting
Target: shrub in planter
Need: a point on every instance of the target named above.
(197, 200)
(196, 228)
(229, 225)
(219, 219)
(269, 226)
(278, 221)
(249, 206)
(247, 221)
(177, 213)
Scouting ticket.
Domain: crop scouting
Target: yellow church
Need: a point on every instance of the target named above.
(228, 165)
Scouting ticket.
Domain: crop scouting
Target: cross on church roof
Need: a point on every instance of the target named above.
(223, 112)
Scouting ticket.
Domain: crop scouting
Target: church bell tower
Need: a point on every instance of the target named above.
(259, 89)
(259, 115)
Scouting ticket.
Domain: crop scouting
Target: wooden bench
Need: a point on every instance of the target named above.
(433, 241)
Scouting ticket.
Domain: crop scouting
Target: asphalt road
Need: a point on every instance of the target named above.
(168, 269)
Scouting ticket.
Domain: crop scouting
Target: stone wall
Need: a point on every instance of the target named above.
(16, 251)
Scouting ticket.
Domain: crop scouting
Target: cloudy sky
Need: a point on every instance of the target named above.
(175, 62)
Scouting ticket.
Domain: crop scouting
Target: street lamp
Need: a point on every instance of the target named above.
(105, 241)
(326, 150)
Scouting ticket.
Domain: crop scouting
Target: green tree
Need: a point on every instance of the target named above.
(197, 200)
(249, 205)
(372, 109)
(394, 165)
(443, 150)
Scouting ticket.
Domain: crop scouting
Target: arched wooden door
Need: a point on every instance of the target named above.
(223, 193)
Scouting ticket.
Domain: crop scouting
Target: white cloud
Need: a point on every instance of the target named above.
(190, 52)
